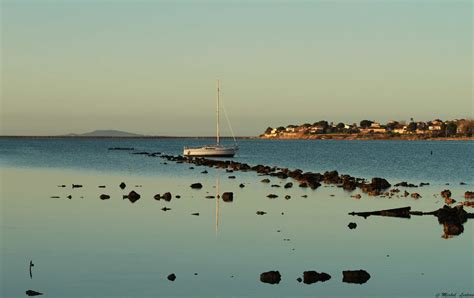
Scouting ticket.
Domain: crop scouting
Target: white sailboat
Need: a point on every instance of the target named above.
(216, 150)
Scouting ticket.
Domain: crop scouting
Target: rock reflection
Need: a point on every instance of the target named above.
(452, 218)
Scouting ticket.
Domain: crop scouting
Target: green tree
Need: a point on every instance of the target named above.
(366, 123)
(268, 130)
(451, 128)
(411, 127)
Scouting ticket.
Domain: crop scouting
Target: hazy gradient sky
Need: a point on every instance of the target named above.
(150, 66)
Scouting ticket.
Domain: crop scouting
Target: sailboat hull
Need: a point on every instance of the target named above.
(216, 151)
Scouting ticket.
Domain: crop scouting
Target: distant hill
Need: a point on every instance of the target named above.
(106, 133)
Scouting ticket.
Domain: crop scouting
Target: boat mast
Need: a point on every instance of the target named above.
(217, 110)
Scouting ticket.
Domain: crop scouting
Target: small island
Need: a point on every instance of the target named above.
(459, 129)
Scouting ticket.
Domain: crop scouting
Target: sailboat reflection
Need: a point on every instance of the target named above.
(217, 199)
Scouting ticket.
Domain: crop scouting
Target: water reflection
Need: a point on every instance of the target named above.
(452, 218)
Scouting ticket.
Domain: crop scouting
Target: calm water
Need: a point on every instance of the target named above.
(85, 247)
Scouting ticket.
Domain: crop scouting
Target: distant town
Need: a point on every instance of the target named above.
(369, 129)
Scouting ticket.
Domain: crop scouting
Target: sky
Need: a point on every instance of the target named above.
(150, 67)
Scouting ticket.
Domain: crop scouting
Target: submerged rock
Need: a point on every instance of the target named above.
(196, 185)
(270, 277)
(266, 180)
(171, 277)
(104, 197)
(287, 197)
(122, 185)
(288, 185)
(101, 186)
(195, 214)
(310, 277)
(272, 196)
(261, 212)
(352, 225)
(241, 185)
(33, 293)
(76, 186)
(165, 208)
(355, 276)
(275, 185)
(204, 172)
(469, 195)
(167, 196)
(449, 201)
(157, 197)
(446, 193)
(231, 177)
(133, 196)
(228, 196)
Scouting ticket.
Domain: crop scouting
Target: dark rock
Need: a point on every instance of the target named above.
(331, 177)
(299, 279)
(76, 186)
(196, 185)
(165, 208)
(352, 225)
(272, 196)
(355, 276)
(449, 201)
(55, 197)
(191, 168)
(62, 185)
(287, 197)
(403, 212)
(288, 185)
(462, 183)
(415, 195)
(171, 277)
(310, 277)
(229, 171)
(261, 212)
(133, 196)
(304, 196)
(423, 184)
(210, 197)
(104, 197)
(275, 185)
(303, 184)
(270, 277)
(204, 172)
(33, 293)
(241, 185)
(469, 195)
(195, 214)
(228, 196)
(69, 197)
(157, 197)
(231, 177)
(122, 185)
(266, 180)
(101, 186)
(167, 196)
(446, 193)
(356, 196)
(121, 148)
(177, 196)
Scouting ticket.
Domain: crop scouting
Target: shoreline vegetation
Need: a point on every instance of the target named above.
(461, 129)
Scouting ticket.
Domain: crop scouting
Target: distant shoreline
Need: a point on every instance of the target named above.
(367, 137)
